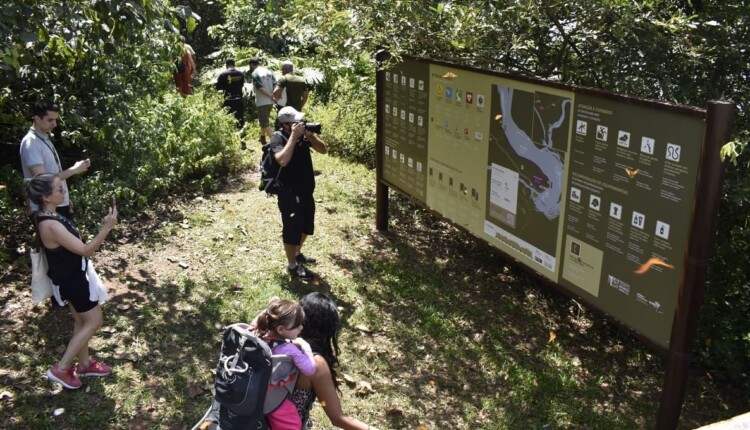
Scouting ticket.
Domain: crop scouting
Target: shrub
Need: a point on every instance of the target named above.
(349, 123)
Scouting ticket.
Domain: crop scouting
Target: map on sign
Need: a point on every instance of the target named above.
(528, 140)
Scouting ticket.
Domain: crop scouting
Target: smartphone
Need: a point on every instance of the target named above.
(114, 204)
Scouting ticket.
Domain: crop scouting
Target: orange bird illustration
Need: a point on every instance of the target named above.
(653, 261)
(631, 172)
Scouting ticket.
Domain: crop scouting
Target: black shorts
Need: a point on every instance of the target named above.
(75, 290)
(297, 216)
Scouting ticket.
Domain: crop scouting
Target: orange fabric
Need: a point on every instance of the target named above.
(183, 80)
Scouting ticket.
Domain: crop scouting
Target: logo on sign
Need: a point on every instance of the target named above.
(623, 139)
(581, 127)
(673, 152)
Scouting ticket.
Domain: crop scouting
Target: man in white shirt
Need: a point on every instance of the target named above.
(263, 82)
(38, 155)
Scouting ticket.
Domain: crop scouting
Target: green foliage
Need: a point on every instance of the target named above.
(92, 57)
(108, 64)
(347, 124)
(174, 145)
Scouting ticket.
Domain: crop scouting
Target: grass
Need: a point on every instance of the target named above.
(446, 332)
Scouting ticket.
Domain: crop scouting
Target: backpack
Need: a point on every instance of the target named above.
(269, 171)
(250, 382)
(179, 65)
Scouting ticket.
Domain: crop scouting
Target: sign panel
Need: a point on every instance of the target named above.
(633, 170)
(405, 127)
(591, 192)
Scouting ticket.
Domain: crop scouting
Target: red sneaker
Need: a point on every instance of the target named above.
(93, 369)
(66, 378)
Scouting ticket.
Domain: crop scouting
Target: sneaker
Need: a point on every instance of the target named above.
(66, 378)
(94, 369)
(299, 272)
(304, 259)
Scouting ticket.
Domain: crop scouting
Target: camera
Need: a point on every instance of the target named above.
(313, 127)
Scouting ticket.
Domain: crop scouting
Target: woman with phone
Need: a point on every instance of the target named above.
(67, 260)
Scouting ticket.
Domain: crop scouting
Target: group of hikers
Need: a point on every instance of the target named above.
(308, 331)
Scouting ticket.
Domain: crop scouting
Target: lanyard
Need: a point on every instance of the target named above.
(49, 146)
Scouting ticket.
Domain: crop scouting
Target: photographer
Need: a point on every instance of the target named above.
(290, 146)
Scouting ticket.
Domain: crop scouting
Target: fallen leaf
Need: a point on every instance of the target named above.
(363, 328)
(394, 411)
(363, 388)
(349, 379)
(123, 307)
(57, 412)
(172, 259)
(126, 356)
(183, 265)
(194, 390)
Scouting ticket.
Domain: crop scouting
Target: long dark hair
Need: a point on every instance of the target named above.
(322, 327)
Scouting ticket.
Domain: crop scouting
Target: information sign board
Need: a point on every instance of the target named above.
(591, 191)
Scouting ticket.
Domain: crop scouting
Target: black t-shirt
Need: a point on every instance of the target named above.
(298, 174)
(64, 265)
(231, 82)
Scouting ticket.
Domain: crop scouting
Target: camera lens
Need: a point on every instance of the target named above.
(314, 127)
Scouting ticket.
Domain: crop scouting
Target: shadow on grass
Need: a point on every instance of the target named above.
(156, 337)
(488, 357)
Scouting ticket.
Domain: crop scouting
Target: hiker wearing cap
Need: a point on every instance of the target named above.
(290, 146)
(230, 82)
(263, 82)
(295, 86)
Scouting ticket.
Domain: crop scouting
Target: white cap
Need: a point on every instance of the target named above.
(289, 114)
